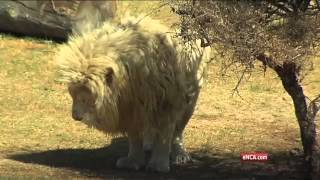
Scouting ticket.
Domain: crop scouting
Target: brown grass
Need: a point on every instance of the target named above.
(40, 140)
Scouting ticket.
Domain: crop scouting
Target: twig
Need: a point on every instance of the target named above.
(151, 12)
(314, 107)
(236, 89)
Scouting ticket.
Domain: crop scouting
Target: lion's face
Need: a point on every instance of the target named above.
(93, 100)
(83, 105)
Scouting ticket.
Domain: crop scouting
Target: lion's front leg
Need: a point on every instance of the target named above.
(160, 161)
(136, 158)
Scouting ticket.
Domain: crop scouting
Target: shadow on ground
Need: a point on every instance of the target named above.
(99, 163)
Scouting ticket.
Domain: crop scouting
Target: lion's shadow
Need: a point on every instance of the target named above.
(101, 163)
(86, 159)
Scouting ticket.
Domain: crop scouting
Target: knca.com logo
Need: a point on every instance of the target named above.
(254, 156)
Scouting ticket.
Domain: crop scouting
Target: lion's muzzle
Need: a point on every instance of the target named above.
(76, 115)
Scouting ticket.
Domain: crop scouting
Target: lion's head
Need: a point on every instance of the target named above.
(92, 80)
(93, 100)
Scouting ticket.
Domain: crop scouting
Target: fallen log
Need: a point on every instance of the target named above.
(50, 19)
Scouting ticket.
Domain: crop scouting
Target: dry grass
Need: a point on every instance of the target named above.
(40, 140)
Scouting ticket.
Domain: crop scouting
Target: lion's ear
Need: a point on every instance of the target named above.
(109, 75)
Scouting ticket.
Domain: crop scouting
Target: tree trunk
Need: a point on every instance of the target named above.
(288, 74)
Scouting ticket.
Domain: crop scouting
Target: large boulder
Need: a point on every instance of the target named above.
(52, 19)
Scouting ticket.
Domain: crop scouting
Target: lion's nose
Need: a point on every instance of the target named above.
(76, 115)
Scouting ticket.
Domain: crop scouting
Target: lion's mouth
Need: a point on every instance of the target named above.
(77, 118)
(86, 119)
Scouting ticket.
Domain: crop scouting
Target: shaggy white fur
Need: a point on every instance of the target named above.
(135, 78)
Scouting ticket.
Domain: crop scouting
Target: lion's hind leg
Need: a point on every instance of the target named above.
(136, 157)
(179, 154)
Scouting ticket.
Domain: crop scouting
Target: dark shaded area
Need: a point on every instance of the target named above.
(100, 163)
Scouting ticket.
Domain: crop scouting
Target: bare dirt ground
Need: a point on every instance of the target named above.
(39, 139)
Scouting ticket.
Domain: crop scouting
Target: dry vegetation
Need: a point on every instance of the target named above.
(39, 138)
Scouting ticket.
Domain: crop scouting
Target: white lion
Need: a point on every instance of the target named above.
(135, 78)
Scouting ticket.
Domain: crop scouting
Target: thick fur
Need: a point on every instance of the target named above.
(134, 78)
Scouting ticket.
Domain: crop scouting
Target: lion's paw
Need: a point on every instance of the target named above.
(128, 163)
(180, 157)
(158, 166)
